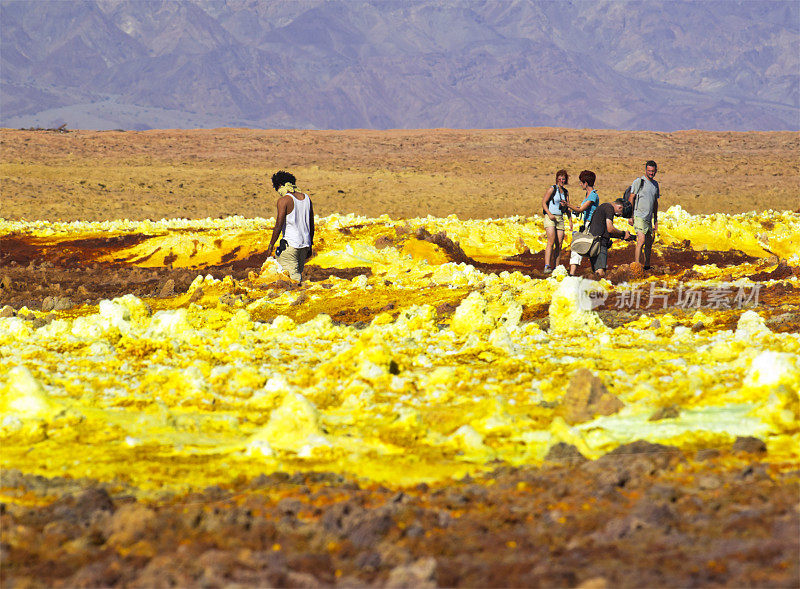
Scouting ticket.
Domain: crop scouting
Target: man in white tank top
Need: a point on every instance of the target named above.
(295, 220)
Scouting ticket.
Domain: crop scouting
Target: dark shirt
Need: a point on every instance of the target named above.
(598, 225)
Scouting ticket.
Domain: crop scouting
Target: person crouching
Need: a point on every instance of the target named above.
(602, 227)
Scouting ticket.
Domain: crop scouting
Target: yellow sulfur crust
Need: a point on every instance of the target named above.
(189, 391)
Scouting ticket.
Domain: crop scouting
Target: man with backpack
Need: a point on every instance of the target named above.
(644, 198)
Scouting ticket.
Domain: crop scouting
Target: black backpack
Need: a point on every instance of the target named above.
(552, 196)
(627, 207)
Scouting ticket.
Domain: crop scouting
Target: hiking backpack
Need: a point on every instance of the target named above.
(627, 208)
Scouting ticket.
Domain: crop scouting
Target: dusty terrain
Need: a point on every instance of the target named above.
(642, 515)
(645, 516)
(91, 176)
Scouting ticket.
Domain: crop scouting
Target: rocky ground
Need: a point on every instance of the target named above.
(475, 174)
(64, 275)
(644, 515)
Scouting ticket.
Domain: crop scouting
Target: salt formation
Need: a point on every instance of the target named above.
(571, 310)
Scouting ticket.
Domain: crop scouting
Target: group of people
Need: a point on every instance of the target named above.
(640, 206)
(295, 221)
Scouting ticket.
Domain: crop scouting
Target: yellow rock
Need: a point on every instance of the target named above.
(198, 392)
(21, 395)
(425, 250)
(471, 315)
(571, 309)
(292, 426)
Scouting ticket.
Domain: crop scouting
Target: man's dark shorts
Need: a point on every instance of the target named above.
(600, 261)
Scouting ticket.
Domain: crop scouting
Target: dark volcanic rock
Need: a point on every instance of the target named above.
(517, 527)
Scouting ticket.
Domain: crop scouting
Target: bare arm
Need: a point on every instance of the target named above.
(614, 232)
(568, 212)
(311, 222)
(655, 216)
(546, 200)
(582, 207)
(280, 219)
(632, 199)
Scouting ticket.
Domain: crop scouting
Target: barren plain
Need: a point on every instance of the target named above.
(92, 176)
(427, 408)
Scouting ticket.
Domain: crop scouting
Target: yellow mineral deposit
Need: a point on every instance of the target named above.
(184, 392)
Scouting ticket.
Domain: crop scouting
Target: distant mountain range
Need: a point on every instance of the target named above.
(319, 64)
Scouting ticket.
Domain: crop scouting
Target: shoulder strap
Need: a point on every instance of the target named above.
(637, 191)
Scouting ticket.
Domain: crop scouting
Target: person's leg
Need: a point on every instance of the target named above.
(558, 243)
(642, 227)
(639, 245)
(575, 260)
(302, 255)
(548, 249)
(648, 247)
(288, 259)
(600, 261)
(281, 257)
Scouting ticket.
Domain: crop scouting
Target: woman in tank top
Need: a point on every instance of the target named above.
(554, 205)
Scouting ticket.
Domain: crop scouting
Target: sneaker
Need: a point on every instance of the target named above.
(547, 269)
